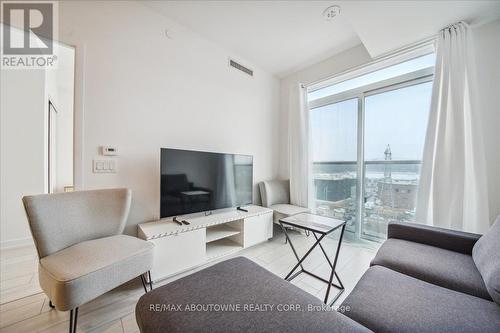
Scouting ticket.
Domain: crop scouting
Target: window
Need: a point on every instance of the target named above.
(409, 66)
(334, 151)
(367, 137)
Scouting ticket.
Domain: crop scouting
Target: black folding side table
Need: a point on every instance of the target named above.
(322, 226)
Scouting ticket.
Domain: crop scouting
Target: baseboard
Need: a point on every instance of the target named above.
(13, 243)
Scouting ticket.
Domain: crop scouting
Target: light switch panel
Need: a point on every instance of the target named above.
(104, 166)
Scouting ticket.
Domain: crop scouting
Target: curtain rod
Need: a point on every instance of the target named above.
(382, 57)
(406, 48)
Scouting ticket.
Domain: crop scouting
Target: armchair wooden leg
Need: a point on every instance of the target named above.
(71, 321)
(73, 317)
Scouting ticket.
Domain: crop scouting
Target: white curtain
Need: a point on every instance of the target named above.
(298, 145)
(452, 191)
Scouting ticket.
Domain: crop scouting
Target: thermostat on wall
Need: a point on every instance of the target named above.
(109, 151)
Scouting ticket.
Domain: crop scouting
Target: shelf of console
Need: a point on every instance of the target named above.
(220, 231)
(221, 247)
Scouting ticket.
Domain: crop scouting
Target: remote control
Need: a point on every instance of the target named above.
(177, 221)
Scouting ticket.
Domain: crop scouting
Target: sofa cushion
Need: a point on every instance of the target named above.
(79, 273)
(191, 304)
(486, 255)
(442, 267)
(388, 301)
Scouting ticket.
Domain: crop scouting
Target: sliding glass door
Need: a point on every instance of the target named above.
(334, 132)
(367, 146)
(394, 134)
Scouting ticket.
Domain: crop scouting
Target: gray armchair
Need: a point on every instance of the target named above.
(275, 194)
(82, 253)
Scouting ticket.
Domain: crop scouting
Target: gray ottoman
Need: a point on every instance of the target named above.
(237, 295)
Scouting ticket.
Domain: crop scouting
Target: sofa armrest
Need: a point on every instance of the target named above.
(453, 240)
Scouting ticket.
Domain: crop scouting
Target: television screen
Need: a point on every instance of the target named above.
(196, 181)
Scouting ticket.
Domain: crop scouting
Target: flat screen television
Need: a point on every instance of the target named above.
(198, 181)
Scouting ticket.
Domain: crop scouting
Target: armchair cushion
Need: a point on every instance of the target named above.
(274, 192)
(486, 255)
(285, 210)
(80, 273)
(288, 210)
(445, 268)
(452, 240)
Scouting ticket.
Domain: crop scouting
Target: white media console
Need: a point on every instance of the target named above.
(207, 237)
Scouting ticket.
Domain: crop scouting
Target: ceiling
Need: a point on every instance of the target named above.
(384, 26)
(285, 36)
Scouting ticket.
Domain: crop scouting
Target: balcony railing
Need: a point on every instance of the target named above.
(389, 194)
(368, 162)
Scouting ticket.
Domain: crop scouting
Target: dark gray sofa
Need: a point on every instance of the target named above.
(427, 279)
(423, 279)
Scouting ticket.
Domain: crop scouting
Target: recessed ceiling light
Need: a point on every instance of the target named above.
(330, 13)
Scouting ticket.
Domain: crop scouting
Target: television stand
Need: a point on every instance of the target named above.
(179, 248)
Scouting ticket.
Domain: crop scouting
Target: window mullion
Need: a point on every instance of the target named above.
(361, 167)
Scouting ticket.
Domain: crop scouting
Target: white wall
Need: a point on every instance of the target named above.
(24, 100)
(488, 61)
(339, 63)
(138, 90)
(22, 155)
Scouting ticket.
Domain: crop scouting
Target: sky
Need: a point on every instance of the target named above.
(398, 118)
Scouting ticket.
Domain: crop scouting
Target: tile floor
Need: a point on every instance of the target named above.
(24, 308)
